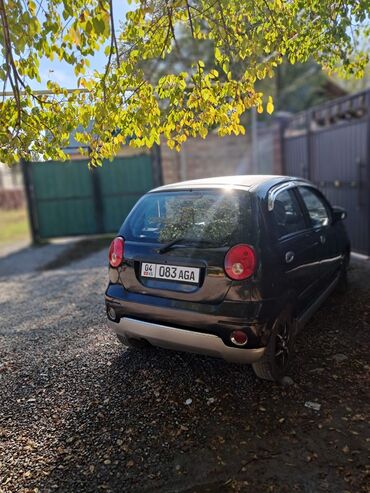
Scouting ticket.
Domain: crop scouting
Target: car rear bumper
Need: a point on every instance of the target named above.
(215, 319)
(184, 340)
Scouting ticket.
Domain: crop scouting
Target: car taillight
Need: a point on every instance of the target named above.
(240, 262)
(116, 251)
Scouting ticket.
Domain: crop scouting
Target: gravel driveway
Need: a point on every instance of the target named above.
(79, 413)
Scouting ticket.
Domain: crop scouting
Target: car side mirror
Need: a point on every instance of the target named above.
(339, 214)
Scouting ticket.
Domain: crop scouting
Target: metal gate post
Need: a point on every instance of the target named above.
(98, 201)
(308, 170)
(282, 120)
(155, 154)
(28, 188)
(367, 184)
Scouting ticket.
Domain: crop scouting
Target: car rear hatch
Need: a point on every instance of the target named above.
(176, 242)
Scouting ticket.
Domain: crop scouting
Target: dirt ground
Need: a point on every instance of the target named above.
(79, 413)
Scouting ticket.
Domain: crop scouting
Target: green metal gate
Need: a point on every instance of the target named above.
(69, 199)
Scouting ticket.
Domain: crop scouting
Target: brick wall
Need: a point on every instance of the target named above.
(12, 199)
(270, 157)
(216, 156)
(11, 187)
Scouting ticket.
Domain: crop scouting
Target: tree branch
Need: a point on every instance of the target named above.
(224, 26)
(11, 68)
(111, 50)
(169, 13)
(190, 19)
(113, 32)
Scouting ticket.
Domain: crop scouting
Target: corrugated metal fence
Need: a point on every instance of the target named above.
(330, 145)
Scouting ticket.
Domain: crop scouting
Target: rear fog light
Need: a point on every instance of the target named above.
(239, 338)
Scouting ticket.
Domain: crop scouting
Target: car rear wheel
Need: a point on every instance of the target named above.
(133, 343)
(274, 363)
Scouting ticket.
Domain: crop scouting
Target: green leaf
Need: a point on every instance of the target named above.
(99, 25)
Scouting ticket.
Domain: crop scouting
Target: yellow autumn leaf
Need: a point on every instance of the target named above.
(270, 106)
(32, 7)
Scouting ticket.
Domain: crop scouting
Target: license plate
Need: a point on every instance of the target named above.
(170, 272)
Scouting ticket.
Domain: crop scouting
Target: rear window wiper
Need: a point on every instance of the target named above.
(169, 245)
(186, 242)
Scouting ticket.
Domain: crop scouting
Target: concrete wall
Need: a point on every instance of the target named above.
(10, 177)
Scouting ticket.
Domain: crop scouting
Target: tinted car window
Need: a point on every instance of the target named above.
(213, 216)
(287, 214)
(316, 207)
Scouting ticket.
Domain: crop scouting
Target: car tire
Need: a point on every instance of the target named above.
(133, 343)
(276, 359)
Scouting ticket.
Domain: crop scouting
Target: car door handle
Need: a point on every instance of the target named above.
(322, 239)
(289, 257)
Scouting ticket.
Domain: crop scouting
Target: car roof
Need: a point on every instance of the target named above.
(250, 182)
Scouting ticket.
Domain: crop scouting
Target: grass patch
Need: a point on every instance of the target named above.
(13, 225)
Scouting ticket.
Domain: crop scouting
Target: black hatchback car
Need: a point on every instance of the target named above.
(230, 267)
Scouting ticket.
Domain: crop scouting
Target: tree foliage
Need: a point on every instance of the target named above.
(122, 102)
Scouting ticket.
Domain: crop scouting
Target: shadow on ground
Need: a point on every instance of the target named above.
(50, 256)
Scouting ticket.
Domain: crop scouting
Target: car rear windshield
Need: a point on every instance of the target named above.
(216, 217)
